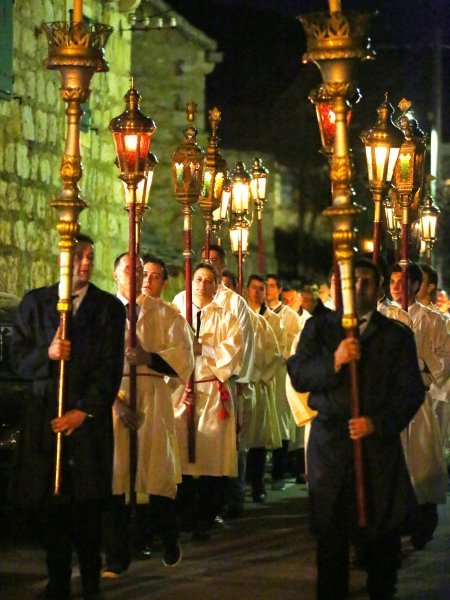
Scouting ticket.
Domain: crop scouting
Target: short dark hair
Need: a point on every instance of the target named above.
(118, 258)
(231, 275)
(366, 263)
(276, 277)
(147, 258)
(219, 249)
(82, 238)
(431, 273)
(206, 265)
(413, 271)
(255, 277)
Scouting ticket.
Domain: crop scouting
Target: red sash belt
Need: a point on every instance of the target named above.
(224, 396)
(145, 375)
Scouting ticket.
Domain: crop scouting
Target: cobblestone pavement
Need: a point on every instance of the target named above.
(266, 554)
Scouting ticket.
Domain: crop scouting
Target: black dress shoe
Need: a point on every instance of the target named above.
(259, 498)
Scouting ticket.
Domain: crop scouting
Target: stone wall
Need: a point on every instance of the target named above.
(32, 136)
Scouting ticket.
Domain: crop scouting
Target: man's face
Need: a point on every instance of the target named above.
(256, 292)
(272, 290)
(324, 292)
(290, 297)
(366, 291)
(83, 263)
(228, 282)
(396, 287)
(122, 276)
(203, 284)
(216, 260)
(424, 289)
(153, 281)
(308, 300)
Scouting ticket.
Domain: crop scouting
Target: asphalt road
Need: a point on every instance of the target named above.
(266, 554)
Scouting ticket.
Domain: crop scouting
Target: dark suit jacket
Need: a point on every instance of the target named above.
(94, 375)
(391, 391)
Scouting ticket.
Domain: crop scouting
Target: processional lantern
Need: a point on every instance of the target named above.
(214, 173)
(382, 144)
(77, 50)
(132, 132)
(241, 214)
(187, 175)
(258, 188)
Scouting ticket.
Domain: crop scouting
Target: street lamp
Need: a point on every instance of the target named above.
(258, 188)
(240, 215)
(213, 178)
(408, 178)
(429, 215)
(132, 132)
(187, 175)
(76, 62)
(382, 144)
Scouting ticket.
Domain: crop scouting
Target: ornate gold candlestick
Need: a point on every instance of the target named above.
(76, 50)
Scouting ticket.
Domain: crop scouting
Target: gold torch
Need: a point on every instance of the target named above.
(336, 43)
(76, 50)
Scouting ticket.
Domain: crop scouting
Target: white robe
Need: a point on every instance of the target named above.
(162, 330)
(263, 429)
(235, 304)
(421, 439)
(215, 437)
(292, 326)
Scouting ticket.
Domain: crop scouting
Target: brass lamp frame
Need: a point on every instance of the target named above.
(240, 218)
(76, 50)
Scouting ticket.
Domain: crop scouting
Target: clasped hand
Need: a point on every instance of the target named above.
(360, 427)
(68, 422)
(138, 356)
(347, 351)
(59, 349)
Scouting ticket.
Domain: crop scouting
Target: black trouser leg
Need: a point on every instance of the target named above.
(382, 566)
(116, 534)
(56, 532)
(162, 519)
(256, 463)
(211, 494)
(279, 461)
(86, 533)
(187, 503)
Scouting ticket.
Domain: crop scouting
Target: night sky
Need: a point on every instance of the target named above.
(263, 41)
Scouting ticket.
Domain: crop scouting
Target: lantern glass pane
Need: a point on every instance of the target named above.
(226, 195)
(240, 197)
(234, 239)
(405, 167)
(207, 178)
(381, 155)
(369, 162)
(262, 183)
(218, 185)
(393, 156)
(390, 217)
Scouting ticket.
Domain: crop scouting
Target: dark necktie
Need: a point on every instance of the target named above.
(199, 320)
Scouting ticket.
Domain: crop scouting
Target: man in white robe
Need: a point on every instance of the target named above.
(421, 440)
(218, 349)
(164, 349)
(256, 458)
(292, 325)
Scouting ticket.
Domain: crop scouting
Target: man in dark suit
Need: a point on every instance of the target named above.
(391, 391)
(95, 360)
